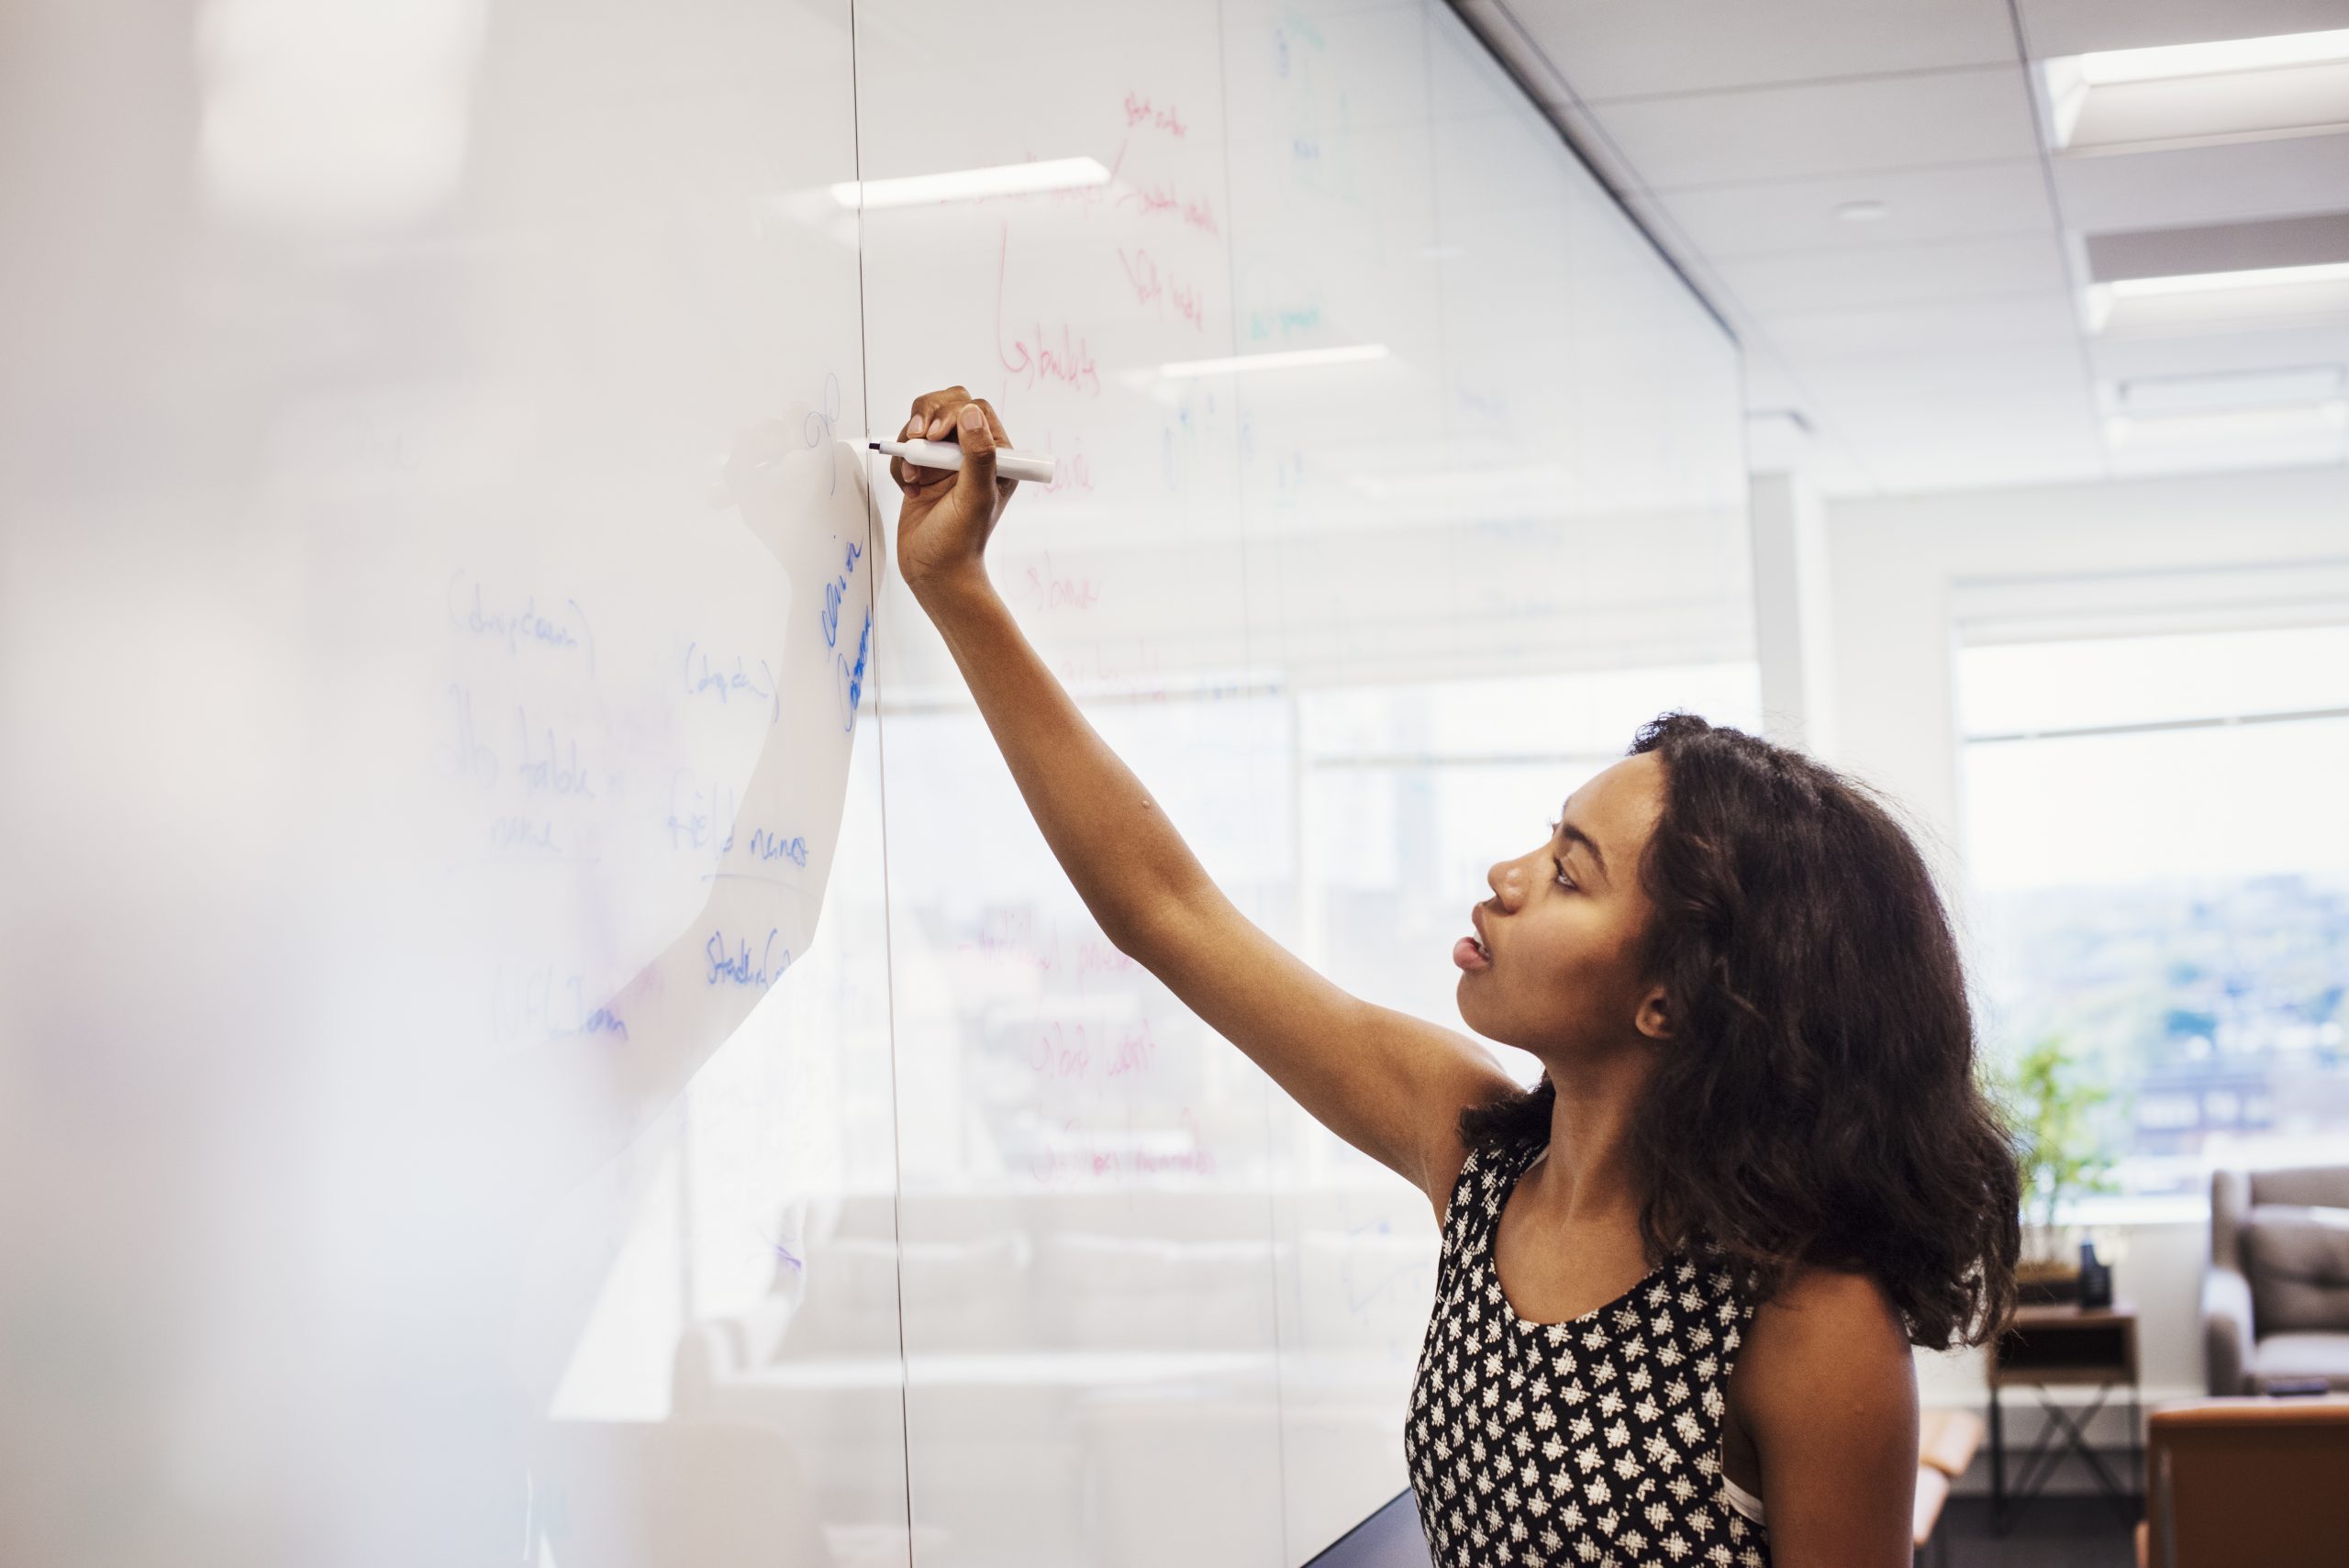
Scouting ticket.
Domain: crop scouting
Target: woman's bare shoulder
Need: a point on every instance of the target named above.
(1830, 1336)
(1825, 1392)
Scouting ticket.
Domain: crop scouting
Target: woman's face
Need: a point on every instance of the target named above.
(1553, 967)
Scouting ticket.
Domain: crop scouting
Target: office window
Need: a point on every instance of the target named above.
(2157, 842)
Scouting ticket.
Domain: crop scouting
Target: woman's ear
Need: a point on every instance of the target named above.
(1655, 1018)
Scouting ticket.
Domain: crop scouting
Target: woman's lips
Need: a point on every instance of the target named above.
(1470, 953)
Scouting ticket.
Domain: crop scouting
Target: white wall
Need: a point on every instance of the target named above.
(1897, 562)
(1880, 605)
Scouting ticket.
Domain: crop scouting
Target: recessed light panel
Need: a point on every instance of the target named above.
(2170, 61)
(2190, 93)
(2149, 396)
(2270, 297)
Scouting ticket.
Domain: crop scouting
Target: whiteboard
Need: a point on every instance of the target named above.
(537, 1028)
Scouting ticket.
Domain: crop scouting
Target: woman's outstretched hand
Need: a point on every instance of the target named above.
(947, 517)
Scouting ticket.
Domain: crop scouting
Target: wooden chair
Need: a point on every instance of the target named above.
(2247, 1480)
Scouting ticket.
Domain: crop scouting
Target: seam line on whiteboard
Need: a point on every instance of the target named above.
(876, 565)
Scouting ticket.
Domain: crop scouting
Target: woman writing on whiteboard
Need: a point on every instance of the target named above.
(1680, 1278)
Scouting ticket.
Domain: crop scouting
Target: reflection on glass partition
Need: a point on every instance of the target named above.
(1400, 483)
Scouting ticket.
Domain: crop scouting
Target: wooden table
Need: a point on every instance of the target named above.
(2049, 1347)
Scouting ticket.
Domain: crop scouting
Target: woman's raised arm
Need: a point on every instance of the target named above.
(1390, 1084)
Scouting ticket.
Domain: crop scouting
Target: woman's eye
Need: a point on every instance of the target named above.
(1563, 880)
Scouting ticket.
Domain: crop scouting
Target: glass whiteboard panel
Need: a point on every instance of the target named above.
(538, 1027)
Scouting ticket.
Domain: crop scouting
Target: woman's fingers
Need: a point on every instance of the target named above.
(930, 402)
(916, 427)
(932, 419)
(1001, 437)
(933, 415)
(935, 411)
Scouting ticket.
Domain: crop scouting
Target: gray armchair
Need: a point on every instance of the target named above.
(2276, 1301)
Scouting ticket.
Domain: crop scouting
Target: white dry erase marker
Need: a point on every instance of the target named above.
(947, 455)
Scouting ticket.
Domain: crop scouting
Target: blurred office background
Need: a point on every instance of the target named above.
(2045, 313)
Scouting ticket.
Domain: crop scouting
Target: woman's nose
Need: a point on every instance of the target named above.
(1507, 879)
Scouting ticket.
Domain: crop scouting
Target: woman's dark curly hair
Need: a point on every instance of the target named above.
(1817, 1102)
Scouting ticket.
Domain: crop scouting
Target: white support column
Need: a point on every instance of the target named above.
(1793, 612)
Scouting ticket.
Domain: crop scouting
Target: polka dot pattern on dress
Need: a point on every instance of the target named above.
(1590, 1445)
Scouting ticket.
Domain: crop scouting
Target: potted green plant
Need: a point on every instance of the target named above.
(2051, 1103)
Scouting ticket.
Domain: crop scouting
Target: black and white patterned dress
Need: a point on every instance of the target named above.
(1596, 1442)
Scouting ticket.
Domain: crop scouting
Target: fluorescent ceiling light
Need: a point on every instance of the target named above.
(2214, 301)
(968, 184)
(2205, 283)
(2112, 66)
(2327, 419)
(1287, 360)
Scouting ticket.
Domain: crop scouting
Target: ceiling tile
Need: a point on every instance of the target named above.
(1947, 375)
(1895, 274)
(1938, 346)
(1967, 202)
(2013, 439)
(1925, 326)
(2275, 177)
(2077, 26)
(1822, 129)
(1985, 465)
(1610, 50)
(2051, 416)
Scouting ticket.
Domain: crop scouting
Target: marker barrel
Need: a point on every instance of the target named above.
(946, 455)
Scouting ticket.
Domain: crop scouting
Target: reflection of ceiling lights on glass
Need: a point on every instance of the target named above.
(2115, 66)
(967, 184)
(1863, 212)
(1287, 360)
(335, 112)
